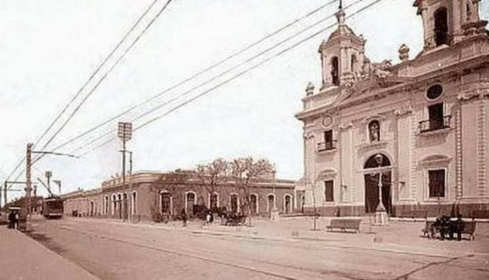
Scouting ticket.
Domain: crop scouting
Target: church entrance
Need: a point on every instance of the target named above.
(377, 167)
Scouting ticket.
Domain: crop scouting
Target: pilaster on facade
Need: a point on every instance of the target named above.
(458, 154)
(481, 148)
(413, 162)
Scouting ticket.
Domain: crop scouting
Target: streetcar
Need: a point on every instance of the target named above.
(52, 207)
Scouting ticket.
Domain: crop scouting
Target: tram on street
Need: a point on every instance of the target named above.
(52, 207)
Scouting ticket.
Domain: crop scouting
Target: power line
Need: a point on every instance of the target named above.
(80, 90)
(105, 75)
(215, 77)
(90, 79)
(237, 75)
(199, 73)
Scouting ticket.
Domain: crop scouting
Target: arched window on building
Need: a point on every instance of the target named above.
(106, 205)
(270, 202)
(254, 204)
(234, 203)
(165, 199)
(114, 205)
(374, 131)
(335, 78)
(134, 203)
(441, 26)
(354, 64)
(287, 204)
(190, 202)
(469, 10)
(213, 201)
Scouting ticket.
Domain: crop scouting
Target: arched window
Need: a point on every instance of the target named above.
(213, 201)
(374, 131)
(234, 203)
(106, 204)
(270, 202)
(354, 62)
(469, 11)
(114, 205)
(165, 199)
(288, 204)
(441, 26)
(134, 203)
(190, 202)
(254, 204)
(335, 71)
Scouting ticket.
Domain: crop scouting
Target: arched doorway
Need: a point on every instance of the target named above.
(375, 165)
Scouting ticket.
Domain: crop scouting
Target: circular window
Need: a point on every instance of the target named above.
(434, 92)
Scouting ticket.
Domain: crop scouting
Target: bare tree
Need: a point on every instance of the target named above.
(213, 175)
(245, 173)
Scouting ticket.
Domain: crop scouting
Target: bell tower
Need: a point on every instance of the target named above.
(342, 55)
(446, 22)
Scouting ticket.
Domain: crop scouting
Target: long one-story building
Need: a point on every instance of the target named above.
(151, 194)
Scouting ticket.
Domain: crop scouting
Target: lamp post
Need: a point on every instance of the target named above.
(380, 212)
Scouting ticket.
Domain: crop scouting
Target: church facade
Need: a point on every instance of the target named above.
(410, 136)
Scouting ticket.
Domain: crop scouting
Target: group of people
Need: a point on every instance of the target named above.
(448, 227)
(13, 220)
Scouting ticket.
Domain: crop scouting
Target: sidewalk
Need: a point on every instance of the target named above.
(405, 237)
(23, 258)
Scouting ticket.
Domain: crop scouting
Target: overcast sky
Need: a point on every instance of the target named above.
(49, 48)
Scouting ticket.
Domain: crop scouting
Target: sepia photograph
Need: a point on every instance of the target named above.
(244, 139)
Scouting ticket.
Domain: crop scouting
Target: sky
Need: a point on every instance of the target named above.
(50, 48)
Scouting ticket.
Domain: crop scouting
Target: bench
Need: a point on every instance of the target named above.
(469, 229)
(345, 224)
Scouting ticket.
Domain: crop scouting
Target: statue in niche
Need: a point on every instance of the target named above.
(374, 131)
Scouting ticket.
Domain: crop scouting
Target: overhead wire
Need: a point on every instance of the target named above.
(199, 73)
(237, 75)
(94, 73)
(105, 76)
(218, 75)
(91, 78)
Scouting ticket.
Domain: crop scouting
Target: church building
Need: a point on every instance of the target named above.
(404, 137)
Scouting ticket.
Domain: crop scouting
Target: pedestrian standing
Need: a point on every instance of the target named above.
(11, 220)
(184, 217)
(16, 221)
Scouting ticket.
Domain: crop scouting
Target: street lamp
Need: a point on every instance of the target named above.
(380, 212)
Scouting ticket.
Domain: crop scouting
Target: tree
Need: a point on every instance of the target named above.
(245, 172)
(213, 175)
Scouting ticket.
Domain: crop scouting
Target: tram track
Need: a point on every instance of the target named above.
(272, 269)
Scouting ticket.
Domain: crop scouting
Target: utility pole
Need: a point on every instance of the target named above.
(125, 133)
(48, 175)
(28, 183)
(133, 202)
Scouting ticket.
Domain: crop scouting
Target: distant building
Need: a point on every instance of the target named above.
(408, 136)
(151, 194)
